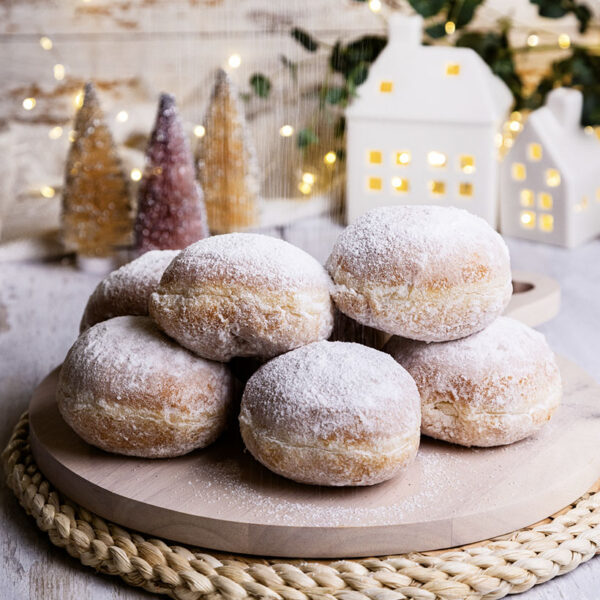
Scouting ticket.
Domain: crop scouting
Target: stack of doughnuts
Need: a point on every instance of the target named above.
(151, 373)
(437, 279)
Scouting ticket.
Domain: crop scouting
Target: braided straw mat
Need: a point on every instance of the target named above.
(488, 570)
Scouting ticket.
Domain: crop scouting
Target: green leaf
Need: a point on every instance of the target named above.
(359, 74)
(336, 95)
(466, 12)
(261, 84)
(590, 114)
(584, 15)
(436, 31)
(552, 9)
(344, 59)
(427, 8)
(337, 60)
(304, 39)
(306, 137)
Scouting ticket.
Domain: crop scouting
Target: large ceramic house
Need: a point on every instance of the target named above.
(550, 184)
(422, 129)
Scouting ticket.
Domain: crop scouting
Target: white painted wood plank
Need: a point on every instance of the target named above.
(233, 17)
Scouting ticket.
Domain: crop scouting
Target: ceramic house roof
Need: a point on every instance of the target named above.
(556, 124)
(422, 90)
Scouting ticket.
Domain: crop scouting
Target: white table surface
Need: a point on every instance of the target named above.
(40, 307)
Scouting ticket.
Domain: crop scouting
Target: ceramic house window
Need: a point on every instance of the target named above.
(545, 201)
(534, 152)
(519, 172)
(437, 188)
(403, 158)
(436, 159)
(552, 178)
(465, 189)
(374, 184)
(527, 219)
(547, 223)
(467, 164)
(526, 197)
(400, 184)
(375, 157)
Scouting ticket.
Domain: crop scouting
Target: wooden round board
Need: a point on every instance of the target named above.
(220, 498)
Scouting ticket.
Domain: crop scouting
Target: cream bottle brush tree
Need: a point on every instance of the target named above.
(227, 165)
(97, 213)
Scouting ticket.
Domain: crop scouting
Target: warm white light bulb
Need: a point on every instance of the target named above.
(286, 131)
(533, 40)
(564, 41)
(308, 178)
(234, 61)
(450, 27)
(55, 132)
(330, 158)
(135, 174)
(122, 116)
(199, 131)
(46, 43)
(305, 188)
(29, 103)
(78, 100)
(375, 5)
(47, 191)
(59, 72)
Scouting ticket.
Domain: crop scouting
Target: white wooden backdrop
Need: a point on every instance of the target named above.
(136, 48)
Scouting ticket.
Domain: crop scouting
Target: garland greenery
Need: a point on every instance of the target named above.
(447, 22)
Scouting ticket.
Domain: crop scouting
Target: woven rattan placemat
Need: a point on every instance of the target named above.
(487, 570)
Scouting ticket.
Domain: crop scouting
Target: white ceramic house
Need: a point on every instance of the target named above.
(550, 181)
(422, 129)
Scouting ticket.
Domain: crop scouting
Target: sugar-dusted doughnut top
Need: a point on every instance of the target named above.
(244, 259)
(126, 290)
(336, 392)
(130, 362)
(502, 369)
(422, 246)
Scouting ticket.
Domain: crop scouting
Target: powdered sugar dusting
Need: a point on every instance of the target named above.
(127, 388)
(419, 244)
(246, 259)
(494, 387)
(507, 349)
(239, 484)
(334, 391)
(126, 290)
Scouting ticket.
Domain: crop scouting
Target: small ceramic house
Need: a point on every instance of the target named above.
(550, 182)
(422, 130)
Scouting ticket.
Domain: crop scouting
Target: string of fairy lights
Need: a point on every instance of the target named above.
(504, 139)
(234, 61)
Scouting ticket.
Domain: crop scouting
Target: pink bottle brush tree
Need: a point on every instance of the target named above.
(171, 211)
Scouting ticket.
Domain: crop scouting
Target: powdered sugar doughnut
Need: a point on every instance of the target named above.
(428, 273)
(243, 294)
(332, 413)
(495, 387)
(127, 388)
(126, 290)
